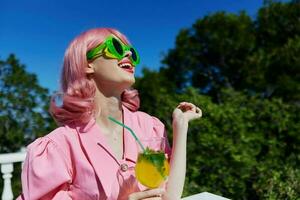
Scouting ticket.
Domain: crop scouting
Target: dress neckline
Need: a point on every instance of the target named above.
(108, 145)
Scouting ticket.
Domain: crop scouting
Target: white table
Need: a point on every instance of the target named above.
(205, 196)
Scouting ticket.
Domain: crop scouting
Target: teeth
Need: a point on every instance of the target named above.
(127, 65)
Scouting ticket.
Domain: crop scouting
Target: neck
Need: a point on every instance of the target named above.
(109, 104)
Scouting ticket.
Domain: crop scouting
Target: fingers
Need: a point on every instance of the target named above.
(154, 194)
(186, 106)
(189, 110)
(198, 111)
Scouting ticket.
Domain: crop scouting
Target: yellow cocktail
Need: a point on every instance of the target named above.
(152, 168)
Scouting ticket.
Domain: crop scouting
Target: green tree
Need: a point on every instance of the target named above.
(260, 55)
(278, 39)
(23, 106)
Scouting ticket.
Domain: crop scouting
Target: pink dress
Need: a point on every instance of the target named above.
(74, 162)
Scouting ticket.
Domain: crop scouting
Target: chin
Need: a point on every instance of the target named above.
(128, 82)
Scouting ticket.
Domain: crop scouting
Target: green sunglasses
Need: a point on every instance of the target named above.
(113, 48)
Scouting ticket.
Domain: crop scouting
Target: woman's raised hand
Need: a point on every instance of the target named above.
(186, 111)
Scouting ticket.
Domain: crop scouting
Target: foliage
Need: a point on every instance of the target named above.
(280, 184)
(247, 137)
(259, 55)
(23, 106)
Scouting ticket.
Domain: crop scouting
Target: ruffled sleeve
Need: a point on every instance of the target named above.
(160, 131)
(46, 172)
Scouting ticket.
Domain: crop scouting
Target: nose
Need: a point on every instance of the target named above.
(128, 54)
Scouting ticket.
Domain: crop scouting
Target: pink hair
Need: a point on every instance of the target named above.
(78, 91)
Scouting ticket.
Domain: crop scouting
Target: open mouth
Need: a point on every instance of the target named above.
(127, 67)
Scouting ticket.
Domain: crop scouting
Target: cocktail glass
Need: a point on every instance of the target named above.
(152, 167)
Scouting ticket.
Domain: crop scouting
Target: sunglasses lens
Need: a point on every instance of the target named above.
(133, 54)
(117, 46)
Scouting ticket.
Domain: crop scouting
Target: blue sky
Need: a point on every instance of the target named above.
(39, 31)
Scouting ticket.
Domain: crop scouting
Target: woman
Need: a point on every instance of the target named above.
(90, 157)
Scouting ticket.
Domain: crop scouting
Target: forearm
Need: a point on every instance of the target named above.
(178, 161)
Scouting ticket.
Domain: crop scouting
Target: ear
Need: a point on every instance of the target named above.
(89, 69)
